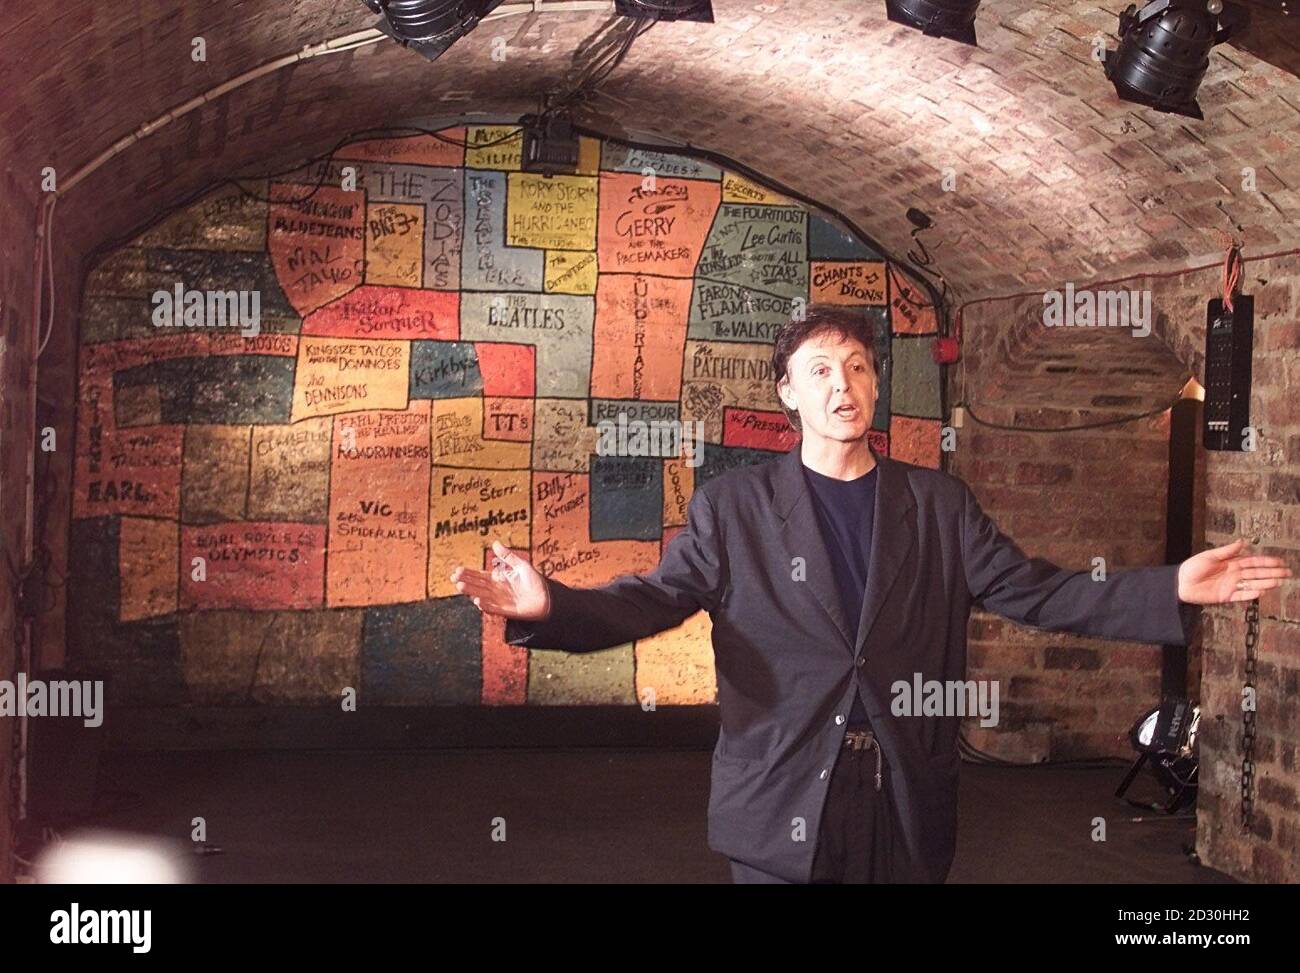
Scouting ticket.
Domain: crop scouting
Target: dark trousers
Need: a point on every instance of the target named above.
(857, 842)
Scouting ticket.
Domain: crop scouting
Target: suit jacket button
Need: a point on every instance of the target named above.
(822, 775)
(862, 661)
(839, 719)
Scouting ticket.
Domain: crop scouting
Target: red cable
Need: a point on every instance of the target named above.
(1231, 274)
(1119, 280)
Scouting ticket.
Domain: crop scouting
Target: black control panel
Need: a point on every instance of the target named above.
(1229, 342)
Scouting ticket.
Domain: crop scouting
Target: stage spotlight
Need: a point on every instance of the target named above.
(98, 856)
(700, 11)
(954, 19)
(550, 145)
(1166, 737)
(429, 27)
(1164, 51)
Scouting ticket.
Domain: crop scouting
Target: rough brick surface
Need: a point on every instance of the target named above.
(1048, 163)
(1056, 180)
(1110, 501)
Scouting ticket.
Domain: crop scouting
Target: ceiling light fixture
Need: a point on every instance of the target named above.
(700, 11)
(1164, 51)
(953, 19)
(429, 27)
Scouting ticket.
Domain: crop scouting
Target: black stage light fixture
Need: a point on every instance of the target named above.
(700, 11)
(953, 19)
(550, 144)
(1164, 51)
(1166, 737)
(429, 27)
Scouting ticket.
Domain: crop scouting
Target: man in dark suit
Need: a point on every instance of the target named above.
(834, 576)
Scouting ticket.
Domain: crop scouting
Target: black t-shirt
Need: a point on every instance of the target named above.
(846, 511)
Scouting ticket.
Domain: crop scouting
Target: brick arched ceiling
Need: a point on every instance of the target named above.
(1083, 368)
(1055, 178)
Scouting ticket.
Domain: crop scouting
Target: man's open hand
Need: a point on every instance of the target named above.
(1221, 575)
(512, 589)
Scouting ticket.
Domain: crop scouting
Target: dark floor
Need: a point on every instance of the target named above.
(580, 816)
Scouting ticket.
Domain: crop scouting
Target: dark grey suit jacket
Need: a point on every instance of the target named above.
(788, 660)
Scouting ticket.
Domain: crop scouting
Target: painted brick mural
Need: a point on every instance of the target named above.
(270, 514)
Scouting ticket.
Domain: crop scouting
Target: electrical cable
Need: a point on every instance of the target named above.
(974, 755)
(1232, 274)
(48, 260)
(1087, 425)
(1232, 278)
(661, 8)
(619, 33)
(1153, 275)
(327, 156)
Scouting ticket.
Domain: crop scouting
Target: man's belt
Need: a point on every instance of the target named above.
(865, 740)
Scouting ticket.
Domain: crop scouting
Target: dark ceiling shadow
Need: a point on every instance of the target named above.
(1273, 34)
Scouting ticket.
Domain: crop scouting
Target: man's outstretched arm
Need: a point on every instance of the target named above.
(691, 577)
(1135, 604)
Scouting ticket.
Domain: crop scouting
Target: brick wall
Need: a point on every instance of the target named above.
(1053, 168)
(1057, 495)
(206, 470)
(1257, 496)
(1070, 496)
